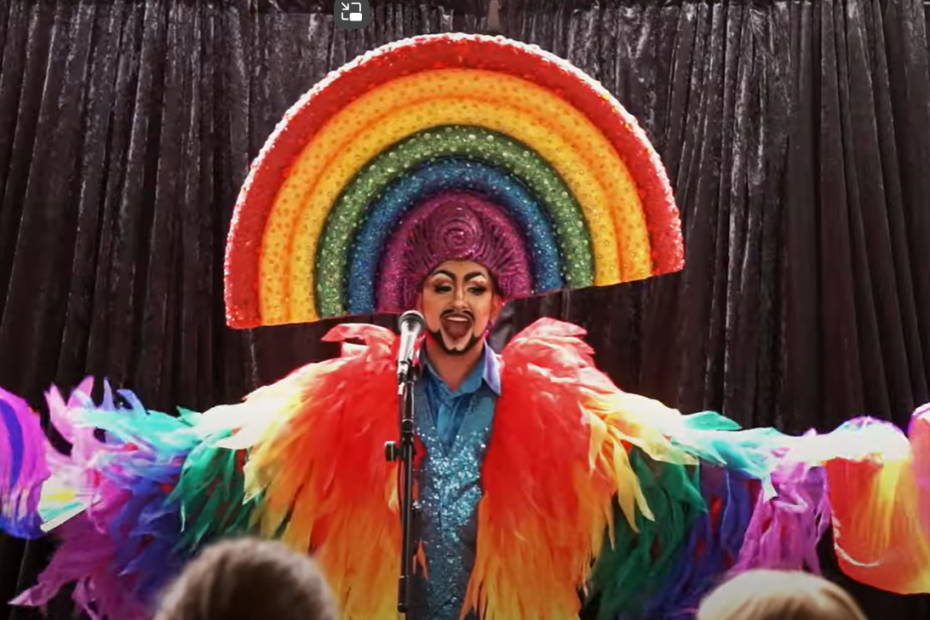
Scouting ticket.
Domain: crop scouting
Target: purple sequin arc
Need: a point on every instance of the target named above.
(454, 225)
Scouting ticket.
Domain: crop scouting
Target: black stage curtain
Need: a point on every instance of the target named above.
(796, 134)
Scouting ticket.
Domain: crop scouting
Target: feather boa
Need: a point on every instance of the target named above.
(586, 488)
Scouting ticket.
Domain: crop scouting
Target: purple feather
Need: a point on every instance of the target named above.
(23, 467)
(87, 558)
(784, 530)
(919, 434)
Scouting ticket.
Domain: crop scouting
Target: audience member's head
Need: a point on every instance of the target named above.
(775, 595)
(249, 579)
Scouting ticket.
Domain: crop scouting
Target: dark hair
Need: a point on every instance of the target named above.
(779, 595)
(249, 579)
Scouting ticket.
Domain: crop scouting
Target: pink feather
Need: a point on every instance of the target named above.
(23, 467)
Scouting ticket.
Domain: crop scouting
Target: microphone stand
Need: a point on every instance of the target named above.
(405, 453)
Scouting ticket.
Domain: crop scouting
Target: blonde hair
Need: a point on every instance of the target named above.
(777, 595)
(249, 579)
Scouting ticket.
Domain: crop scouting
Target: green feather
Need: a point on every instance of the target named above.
(211, 491)
(626, 573)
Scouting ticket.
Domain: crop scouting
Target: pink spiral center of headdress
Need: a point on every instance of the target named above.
(455, 225)
(457, 230)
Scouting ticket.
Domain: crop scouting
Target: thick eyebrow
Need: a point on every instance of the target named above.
(468, 277)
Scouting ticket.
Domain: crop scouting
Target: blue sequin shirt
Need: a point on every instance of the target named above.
(454, 427)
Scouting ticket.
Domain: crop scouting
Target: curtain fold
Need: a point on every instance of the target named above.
(795, 133)
(126, 129)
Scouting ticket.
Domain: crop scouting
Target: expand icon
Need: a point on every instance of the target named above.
(352, 14)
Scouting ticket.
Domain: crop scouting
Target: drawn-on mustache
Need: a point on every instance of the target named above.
(464, 313)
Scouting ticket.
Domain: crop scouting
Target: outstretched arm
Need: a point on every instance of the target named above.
(668, 504)
(142, 491)
(113, 501)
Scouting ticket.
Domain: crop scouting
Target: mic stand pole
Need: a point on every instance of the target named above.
(405, 453)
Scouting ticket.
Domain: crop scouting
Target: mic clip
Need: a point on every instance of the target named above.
(407, 372)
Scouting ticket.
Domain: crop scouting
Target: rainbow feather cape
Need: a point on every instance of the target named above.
(586, 489)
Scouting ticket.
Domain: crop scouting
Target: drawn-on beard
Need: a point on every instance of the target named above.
(438, 335)
(438, 339)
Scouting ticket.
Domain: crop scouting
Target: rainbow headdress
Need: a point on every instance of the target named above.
(549, 157)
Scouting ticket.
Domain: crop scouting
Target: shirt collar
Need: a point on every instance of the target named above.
(487, 370)
(492, 369)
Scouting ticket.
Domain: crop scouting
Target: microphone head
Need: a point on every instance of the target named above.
(411, 319)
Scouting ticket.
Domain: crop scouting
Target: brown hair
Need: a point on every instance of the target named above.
(249, 579)
(776, 595)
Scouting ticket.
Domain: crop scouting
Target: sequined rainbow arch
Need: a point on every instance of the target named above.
(535, 142)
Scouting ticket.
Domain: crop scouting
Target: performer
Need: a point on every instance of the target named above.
(450, 174)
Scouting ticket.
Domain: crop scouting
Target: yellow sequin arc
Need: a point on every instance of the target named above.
(545, 123)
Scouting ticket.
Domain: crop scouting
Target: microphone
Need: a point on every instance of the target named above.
(411, 324)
